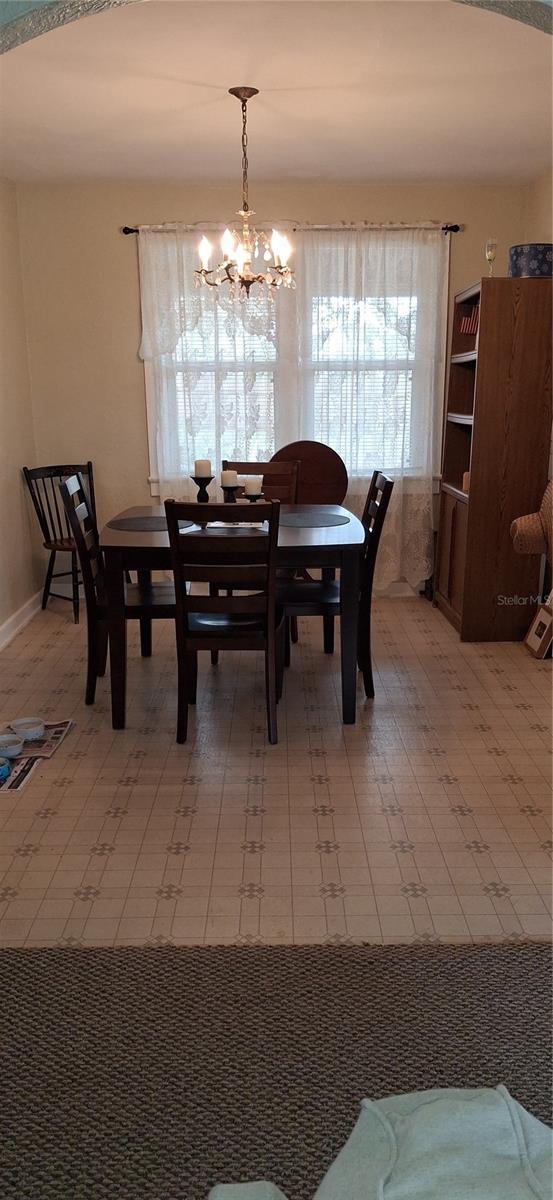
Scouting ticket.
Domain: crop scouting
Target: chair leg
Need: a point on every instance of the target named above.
(75, 582)
(328, 635)
(270, 687)
(92, 663)
(327, 574)
(192, 675)
(144, 578)
(364, 647)
(48, 580)
(294, 628)
(280, 652)
(182, 710)
(214, 591)
(287, 655)
(102, 648)
(145, 637)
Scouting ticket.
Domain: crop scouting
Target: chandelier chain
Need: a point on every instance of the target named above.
(245, 204)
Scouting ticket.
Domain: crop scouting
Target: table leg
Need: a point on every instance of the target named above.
(117, 627)
(349, 617)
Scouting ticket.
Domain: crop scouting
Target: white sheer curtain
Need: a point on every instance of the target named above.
(354, 358)
(372, 324)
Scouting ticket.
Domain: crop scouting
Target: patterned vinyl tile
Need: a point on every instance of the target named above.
(427, 821)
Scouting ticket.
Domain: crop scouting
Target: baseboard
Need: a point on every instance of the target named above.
(19, 619)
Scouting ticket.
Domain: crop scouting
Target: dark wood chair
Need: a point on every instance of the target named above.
(43, 484)
(143, 602)
(243, 558)
(322, 479)
(314, 598)
(280, 482)
(280, 479)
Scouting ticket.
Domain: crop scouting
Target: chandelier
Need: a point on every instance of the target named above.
(241, 249)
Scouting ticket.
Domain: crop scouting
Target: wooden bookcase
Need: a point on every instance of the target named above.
(497, 427)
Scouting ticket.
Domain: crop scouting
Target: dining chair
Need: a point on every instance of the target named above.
(280, 479)
(321, 598)
(280, 482)
(143, 602)
(43, 484)
(322, 479)
(240, 557)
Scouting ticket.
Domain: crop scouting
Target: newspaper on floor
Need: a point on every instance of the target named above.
(21, 772)
(34, 753)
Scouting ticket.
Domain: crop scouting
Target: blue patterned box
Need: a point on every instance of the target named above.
(533, 261)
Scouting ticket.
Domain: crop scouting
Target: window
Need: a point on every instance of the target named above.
(353, 357)
(225, 391)
(361, 370)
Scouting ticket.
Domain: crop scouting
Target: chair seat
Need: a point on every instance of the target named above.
(306, 595)
(224, 624)
(62, 544)
(156, 600)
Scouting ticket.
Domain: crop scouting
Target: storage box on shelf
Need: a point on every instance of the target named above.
(497, 424)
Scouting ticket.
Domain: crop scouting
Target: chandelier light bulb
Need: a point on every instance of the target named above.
(240, 257)
(275, 246)
(285, 251)
(205, 249)
(227, 245)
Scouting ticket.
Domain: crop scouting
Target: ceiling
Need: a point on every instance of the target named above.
(383, 90)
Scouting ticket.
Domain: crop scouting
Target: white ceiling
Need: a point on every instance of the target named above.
(383, 90)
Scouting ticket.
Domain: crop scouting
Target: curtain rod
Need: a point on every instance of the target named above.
(171, 227)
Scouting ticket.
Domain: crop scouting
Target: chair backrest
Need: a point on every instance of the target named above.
(374, 513)
(82, 523)
(280, 479)
(43, 484)
(241, 558)
(322, 476)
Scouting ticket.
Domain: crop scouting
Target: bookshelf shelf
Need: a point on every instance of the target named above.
(458, 493)
(461, 418)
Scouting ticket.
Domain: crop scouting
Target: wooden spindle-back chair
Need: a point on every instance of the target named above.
(43, 484)
(143, 602)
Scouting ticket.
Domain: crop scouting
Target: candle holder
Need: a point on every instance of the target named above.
(202, 483)
(229, 493)
(252, 499)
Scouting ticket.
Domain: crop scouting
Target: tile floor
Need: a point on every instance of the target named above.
(428, 820)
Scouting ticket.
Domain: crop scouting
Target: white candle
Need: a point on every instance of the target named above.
(229, 479)
(253, 485)
(202, 468)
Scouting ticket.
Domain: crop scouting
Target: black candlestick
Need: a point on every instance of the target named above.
(229, 493)
(202, 482)
(252, 499)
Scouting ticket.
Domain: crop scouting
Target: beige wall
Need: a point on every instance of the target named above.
(538, 210)
(19, 572)
(82, 300)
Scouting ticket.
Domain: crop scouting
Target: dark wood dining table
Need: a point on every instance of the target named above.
(301, 545)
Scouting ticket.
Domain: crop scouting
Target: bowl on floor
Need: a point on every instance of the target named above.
(10, 745)
(29, 728)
